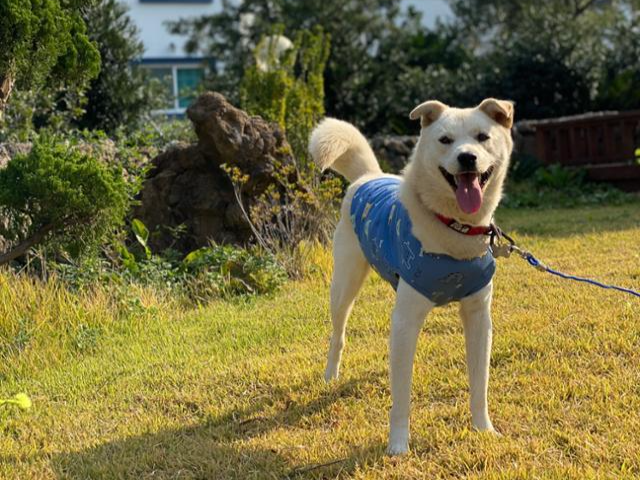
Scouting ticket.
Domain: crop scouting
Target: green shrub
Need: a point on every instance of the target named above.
(288, 88)
(290, 91)
(557, 176)
(223, 270)
(157, 133)
(523, 166)
(558, 186)
(62, 197)
(296, 208)
(217, 271)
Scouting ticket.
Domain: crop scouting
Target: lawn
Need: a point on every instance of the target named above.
(131, 385)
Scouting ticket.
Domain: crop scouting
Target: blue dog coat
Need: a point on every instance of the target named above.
(383, 228)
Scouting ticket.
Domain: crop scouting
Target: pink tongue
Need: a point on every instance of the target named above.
(469, 193)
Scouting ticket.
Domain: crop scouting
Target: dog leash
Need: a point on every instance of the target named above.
(505, 250)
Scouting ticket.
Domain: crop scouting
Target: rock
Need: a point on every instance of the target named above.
(393, 151)
(187, 201)
(524, 138)
(10, 150)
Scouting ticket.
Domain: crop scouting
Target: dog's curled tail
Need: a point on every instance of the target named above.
(340, 146)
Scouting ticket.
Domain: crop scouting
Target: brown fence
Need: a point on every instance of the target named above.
(604, 143)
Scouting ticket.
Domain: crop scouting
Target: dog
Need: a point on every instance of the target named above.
(429, 237)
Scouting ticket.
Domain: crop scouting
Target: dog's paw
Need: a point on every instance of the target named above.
(331, 373)
(398, 448)
(398, 441)
(486, 427)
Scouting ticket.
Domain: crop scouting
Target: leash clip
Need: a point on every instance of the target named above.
(498, 248)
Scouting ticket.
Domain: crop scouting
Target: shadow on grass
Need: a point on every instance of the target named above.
(218, 448)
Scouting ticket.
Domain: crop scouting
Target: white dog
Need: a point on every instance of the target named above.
(440, 209)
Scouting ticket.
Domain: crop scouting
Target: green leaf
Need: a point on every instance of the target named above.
(142, 235)
(141, 231)
(128, 260)
(195, 256)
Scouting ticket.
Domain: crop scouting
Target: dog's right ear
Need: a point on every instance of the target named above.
(428, 112)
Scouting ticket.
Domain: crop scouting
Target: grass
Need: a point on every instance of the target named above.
(127, 384)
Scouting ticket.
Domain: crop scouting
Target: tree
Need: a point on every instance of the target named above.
(553, 58)
(551, 66)
(44, 39)
(356, 27)
(620, 83)
(121, 94)
(484, 21)
(408, 67)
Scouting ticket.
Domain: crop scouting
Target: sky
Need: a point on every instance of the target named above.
(431, 9)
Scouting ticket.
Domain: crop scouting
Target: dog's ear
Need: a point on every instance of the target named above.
(428, 112)
(500, 111)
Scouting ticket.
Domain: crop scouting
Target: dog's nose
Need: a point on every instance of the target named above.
(467, 161)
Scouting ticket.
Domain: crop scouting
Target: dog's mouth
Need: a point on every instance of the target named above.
(468, 187)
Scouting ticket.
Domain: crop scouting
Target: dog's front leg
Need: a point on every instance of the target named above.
(408, 316)
(475, 312)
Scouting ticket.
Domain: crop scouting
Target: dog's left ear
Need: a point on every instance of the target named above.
(428, 112)
(500, 111)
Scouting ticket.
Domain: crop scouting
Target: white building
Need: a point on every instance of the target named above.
(164, 53)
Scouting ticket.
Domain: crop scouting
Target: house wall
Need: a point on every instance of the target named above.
(151, 16)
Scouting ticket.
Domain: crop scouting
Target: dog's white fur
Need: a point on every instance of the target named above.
(424, 191)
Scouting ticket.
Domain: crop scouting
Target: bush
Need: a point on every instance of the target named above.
(298, 208)
(556, 186)
(218, 271)
(60, 196)
(50, 108)
(225, 270)
(288, 87)
(523, 166)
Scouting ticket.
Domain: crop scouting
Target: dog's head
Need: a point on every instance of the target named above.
(462, 156)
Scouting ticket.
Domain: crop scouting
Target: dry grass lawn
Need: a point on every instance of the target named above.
(132, 386)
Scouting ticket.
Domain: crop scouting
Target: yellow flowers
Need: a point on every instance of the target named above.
(22, 400)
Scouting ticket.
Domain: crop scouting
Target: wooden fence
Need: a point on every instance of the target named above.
(604, 143)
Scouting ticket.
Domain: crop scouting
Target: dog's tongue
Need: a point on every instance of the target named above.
(469, 193)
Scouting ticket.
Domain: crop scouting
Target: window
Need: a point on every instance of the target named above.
(180, 84)
(189, 79)
(165, 77)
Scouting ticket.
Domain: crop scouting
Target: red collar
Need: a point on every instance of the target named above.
(463, 228)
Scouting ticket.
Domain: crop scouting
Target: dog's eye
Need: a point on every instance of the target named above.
(445, 140)
(482, 137)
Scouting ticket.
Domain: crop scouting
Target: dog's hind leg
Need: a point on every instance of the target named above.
(350, 269)
(409, 313)
(476, 321)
